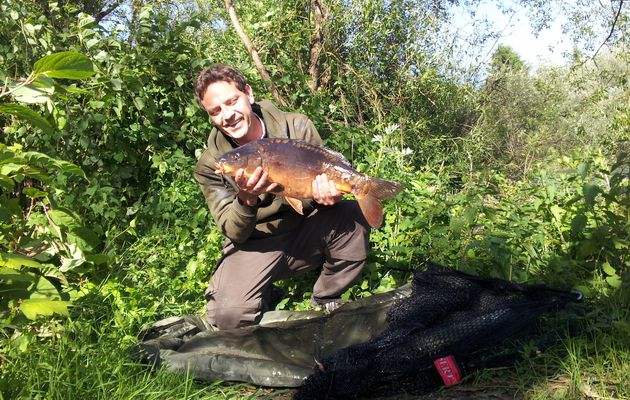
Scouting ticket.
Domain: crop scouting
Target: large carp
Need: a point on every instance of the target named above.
(294, 164)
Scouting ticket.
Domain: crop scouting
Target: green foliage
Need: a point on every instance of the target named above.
(522, 179)
(43, 244)
(526, 118)
(505, 59)
(45, 247)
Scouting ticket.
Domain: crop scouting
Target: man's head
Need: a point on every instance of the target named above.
(224, 94)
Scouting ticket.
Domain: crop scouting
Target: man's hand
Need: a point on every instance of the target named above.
(250, 188)
(325, 192)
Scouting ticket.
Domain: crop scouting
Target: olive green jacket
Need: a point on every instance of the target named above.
(272, 214)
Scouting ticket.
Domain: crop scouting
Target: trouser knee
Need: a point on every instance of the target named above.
(224, 318)
(231, 316)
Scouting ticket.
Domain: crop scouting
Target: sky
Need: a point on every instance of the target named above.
(545, 49)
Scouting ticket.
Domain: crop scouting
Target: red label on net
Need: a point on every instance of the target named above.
(447, 367)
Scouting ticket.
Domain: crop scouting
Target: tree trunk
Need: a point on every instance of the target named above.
(316, 44)
(253, 53)
(133, 24)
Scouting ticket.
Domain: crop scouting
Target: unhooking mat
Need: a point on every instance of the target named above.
(279, 352)
(418, 337)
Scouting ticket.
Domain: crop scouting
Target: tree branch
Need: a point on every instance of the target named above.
(253, 53)
(612, 29)
(104, 13)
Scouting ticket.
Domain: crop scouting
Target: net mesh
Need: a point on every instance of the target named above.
(448, 313)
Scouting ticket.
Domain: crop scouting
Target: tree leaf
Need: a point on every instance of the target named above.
(28, 115)
(65, 65)
(34, 193)
(10, 274)
(34, 307)
(84, 237)
(608, 269)
(614, 281)
(31, 94)
(590, 191)
(70, 168)
(556, 211)
(49, 162)
(578, 223)
(62, 217)
(98, 258)
(16, 261)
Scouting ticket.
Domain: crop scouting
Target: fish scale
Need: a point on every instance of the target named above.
(294, 165)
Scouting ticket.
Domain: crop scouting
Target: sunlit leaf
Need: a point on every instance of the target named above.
(583, 169)
(62, 217)
(116, 84)
(65, 65)
(47, 307)
(614, 281)
(98, 259)
(34, 193)
(71, 263)
(608, 269)
(84, 237)
(16, 261)
(556, 211)
(70, 168)
(49, 162)
(31, 94)
(139, 103)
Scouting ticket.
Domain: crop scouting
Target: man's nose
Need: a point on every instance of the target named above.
(227, 112)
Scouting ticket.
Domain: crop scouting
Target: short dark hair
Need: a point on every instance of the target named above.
(218, 73)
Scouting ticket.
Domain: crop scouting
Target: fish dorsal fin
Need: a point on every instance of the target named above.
(321, 149)
(296, 204)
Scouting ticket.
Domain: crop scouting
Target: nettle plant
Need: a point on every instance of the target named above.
(45, 250)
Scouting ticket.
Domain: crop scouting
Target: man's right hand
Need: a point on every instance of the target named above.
(250, 188)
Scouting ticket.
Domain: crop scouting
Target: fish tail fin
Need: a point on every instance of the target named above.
(383, 189)
(370, 203)
(372, 210)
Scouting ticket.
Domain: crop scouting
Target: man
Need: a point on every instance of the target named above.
(266, 240)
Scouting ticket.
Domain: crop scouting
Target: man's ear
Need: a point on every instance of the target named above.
(250, 93)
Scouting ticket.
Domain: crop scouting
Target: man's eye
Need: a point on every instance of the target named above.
(232, 101)
(214, 112)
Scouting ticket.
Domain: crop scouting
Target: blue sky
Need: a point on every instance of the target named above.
(545, 49)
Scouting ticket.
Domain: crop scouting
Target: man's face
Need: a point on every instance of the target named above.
(229, 108)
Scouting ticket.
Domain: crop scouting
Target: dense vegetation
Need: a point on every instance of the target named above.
(523, 176)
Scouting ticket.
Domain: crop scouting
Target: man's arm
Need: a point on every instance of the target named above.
(235, 217)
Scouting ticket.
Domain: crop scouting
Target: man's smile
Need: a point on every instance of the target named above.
(233, 124)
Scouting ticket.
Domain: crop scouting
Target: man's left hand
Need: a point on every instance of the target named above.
(325, 192)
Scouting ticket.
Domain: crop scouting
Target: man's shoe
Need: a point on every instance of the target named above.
(327, 305)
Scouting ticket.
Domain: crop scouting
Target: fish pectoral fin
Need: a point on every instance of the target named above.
(296, 204)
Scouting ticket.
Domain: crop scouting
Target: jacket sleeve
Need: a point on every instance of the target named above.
(236, 219)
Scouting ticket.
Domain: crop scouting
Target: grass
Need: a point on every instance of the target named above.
(79, 360)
